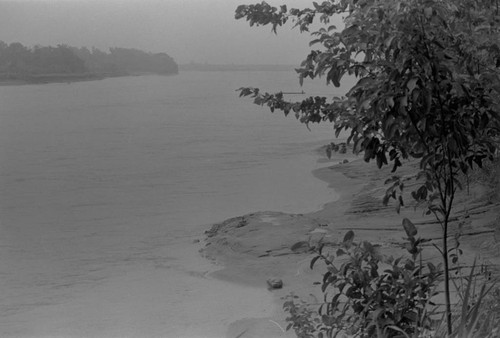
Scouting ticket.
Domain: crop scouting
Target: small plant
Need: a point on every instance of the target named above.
(470, 320)
(302, 319)
(366, 295)
(490, 324)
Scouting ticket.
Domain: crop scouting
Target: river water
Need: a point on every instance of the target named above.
(100, 179)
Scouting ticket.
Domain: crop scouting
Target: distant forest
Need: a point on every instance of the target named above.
(18, 62)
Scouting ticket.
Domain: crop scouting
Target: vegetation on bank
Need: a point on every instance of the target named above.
(428, 88)
(64, 63)
(126, 61)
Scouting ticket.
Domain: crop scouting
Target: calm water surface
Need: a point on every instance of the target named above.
(95, 177)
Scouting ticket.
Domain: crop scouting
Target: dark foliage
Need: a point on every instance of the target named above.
(17, 61)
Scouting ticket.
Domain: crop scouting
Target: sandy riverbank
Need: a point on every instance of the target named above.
(257, 246)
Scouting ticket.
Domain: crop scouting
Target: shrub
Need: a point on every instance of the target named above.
(367, 295)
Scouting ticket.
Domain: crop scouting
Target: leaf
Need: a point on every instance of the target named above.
(323, 287)
(428, 12)
(388, 41)
(368, 154)
(379, 160)
(334, 76)
(422, 193)
(426, 159)
(390, 101)
(391, 131)
(365, 104)
(313, 42)
(299, 245)
(391, 180)
(335, 299)
(349, 236)
(326, 276)
(412, 83)
(403, 101)
(401, 202)
(396, 328)
(333, 269)
(358, 143)
(329, 152)
(386, 199)
(313, 261)
(432, 267)
(320, 247)
(410, 229)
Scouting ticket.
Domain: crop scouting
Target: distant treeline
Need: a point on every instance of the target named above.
(126, 61)
(21, 62)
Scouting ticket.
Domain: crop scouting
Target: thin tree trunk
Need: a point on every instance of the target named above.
(446, 276)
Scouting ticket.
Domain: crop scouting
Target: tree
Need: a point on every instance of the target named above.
(18, 59)
(126, 60)
(428, 88)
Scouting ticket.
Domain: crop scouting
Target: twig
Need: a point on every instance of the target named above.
(272, 321)
(241, 334)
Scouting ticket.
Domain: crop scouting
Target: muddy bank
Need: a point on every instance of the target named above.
(258, 246)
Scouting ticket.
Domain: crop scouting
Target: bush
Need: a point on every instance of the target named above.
(366, 295)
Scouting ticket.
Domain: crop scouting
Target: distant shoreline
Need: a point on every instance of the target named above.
(231, 67)
(22, 79)
(27, 79)
(19, 79)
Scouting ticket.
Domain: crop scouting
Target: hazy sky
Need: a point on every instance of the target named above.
(188, 30)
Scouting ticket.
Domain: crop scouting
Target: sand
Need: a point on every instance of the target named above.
(258, 246)
(222, 292)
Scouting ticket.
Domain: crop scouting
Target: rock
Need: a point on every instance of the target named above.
(227, 225)
(301, 247)
(196, 241)
(275, 283)
(345, 161)
(242, 223)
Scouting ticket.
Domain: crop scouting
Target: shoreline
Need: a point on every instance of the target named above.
(18, 80)
(257, 246)
(34, 79)
(257, 258)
